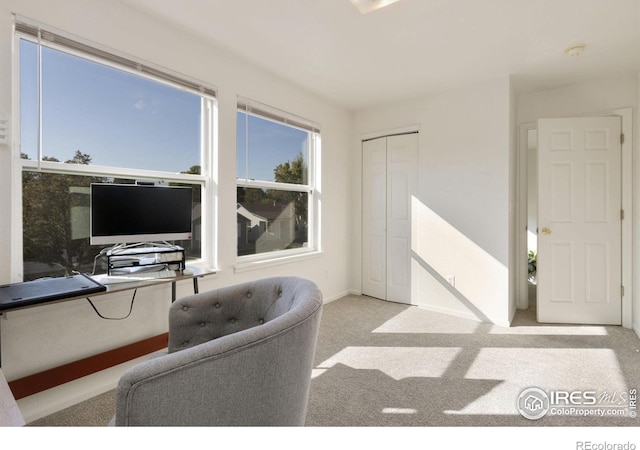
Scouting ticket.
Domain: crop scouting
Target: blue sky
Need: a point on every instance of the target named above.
(270, 144)
(124, 120)
(119, 119)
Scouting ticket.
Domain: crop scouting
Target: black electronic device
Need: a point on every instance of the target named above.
(144, 258)
(46, 290)
(123, 213)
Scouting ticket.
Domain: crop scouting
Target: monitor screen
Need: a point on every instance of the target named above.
(127, 213)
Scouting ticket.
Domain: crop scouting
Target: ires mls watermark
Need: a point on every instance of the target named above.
(534, 403)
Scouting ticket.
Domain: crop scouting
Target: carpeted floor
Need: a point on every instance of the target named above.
(94, 412)
(386, 364)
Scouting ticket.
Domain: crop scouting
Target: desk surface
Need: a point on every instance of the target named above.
(194, 273)
(99, 289)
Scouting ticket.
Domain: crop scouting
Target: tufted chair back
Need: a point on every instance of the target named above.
(202, 317)
(239, 355)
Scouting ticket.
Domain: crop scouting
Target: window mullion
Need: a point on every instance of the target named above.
(109, 172)
(274, 185)
(39, 94)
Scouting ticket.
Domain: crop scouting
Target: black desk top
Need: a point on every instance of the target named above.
(27, 293)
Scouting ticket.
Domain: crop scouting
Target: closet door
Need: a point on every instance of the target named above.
(402, 174)
(389, 181)
(374, 218)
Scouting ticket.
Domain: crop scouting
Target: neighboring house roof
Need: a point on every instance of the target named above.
(255, 219)
(266, 211)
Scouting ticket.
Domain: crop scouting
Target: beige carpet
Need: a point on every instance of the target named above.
(387, 364)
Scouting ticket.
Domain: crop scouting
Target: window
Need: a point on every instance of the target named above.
(90, 116)
(277, 201)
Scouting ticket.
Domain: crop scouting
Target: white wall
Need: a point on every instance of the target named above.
(40, 338)
(636, 216)
(595, 97)
(462, 215)
(578, 99)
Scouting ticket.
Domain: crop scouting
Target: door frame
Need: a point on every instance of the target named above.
(521, 277)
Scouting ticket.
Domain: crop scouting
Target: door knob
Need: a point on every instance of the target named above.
(546, 231)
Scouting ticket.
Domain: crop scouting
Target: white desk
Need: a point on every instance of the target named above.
(87, 365)
(194, 274)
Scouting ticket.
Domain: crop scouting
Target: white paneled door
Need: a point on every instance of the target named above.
(579, 219)
(389, 180)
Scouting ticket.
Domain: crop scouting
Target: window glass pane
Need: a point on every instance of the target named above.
(270, 220)
(56, 225)
(119, 119)
(270, 151)
(241, 146)
(28, 99)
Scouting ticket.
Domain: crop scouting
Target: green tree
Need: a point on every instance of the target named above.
(55, 231)
(293, 172)
(47, 203)
(252, 195)
(193, 170)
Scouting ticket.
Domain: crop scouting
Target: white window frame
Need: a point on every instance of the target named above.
(312, 188)
(208, 179)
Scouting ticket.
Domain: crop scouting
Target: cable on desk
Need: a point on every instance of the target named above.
(95, 259)
(113, 318)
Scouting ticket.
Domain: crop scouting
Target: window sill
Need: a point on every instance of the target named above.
(245, 266)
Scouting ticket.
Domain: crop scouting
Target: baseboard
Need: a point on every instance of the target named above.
(57, 376)
(47, 402)
(339, 296)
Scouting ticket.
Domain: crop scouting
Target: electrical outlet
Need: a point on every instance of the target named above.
(452, 280)
(326, 274)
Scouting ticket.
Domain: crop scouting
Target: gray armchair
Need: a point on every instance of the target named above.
(240, 355)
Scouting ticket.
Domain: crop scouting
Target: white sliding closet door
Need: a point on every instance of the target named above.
(374, 218)
(389, 167)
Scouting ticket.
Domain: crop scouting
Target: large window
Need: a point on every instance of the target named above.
(88, 116)
(277, 199)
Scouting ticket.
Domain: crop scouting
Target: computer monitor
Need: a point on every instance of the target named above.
(129, 213)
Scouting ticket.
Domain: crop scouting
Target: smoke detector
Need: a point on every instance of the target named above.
(575, 50)
(366, 6)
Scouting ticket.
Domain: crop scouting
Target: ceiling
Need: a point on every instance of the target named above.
(415, 47)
